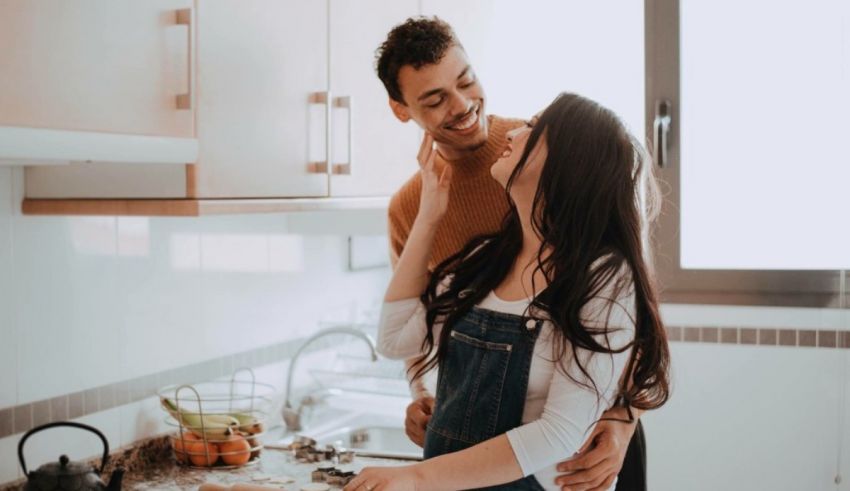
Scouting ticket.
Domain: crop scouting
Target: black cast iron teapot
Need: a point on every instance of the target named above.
(67, 475)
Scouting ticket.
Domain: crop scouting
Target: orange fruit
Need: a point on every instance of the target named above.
(235, 451)
(197, 451)
(177, 445)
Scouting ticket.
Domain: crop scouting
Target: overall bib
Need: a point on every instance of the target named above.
(482, 383)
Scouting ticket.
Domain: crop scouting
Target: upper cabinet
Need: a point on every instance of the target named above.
(298, 111)
(97, 65)
(282, 97)
(373, 153)
(262, 70)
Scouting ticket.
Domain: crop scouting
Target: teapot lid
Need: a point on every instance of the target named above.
(64, 468)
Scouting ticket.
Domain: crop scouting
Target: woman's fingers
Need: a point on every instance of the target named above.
(426, 150)
(446, 177)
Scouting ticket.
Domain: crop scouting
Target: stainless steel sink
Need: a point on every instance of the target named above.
(367, 433)
(373, 441)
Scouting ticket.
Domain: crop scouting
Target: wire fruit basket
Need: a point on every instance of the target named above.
(219, 424)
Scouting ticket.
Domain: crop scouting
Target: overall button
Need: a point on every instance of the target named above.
(530, 324)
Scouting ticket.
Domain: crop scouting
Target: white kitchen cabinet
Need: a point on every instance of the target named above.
(373, 152)
(286, 105)
(95, 65)
(259, 61)
(264, 93)
(109, 66)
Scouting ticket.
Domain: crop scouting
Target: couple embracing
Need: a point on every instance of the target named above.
(522, 276)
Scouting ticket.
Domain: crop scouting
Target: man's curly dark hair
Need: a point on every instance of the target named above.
(417, 42)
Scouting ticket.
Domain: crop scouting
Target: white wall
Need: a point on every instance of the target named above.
(87, 301)
(746, 417)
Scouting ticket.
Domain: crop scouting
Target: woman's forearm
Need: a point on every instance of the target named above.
(411, 274)
(488, 463)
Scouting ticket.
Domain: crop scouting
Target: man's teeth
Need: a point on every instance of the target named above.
(466, 122)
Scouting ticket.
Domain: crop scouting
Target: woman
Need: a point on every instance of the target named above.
(535, 327)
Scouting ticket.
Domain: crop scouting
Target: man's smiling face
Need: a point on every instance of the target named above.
(446, 100)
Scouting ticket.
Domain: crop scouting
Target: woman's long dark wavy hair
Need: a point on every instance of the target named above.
(592, 208)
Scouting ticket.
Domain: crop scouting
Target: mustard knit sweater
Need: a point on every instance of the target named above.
(477, 203)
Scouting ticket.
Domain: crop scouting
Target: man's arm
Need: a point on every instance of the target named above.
(418, 412)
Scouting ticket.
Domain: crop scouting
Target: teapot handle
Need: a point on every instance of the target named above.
(97, 432)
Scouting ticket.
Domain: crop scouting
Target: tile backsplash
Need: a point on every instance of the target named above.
(90, 304)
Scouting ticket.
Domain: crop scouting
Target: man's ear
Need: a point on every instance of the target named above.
(400, 110)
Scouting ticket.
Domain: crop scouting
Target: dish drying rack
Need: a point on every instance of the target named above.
(358, 373)
(200, 413)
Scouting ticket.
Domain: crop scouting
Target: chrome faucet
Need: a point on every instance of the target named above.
(292, 417)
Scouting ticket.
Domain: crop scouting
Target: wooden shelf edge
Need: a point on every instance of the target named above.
(237, 206)
(124, 207)
(195, 207)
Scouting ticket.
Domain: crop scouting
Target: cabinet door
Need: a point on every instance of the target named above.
(113, 66)
(94, 65)
(373, 152)
(259, 61)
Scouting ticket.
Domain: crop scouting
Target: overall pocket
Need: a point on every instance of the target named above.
(469, 392)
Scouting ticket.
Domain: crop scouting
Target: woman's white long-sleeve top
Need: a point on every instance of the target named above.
(559, 413)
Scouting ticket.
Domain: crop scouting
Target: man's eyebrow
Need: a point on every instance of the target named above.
(437, 91)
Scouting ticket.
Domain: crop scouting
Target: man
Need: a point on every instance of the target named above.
(430, 81)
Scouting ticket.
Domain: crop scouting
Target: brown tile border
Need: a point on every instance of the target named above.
(7, 420)
(709, 335)
(788, 337)
(749, 335)
(674, 333)
(807, 338)
(804, 338)
(767, 337)
(729, 335)
(827, 339)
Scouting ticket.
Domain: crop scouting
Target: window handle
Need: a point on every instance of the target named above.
(661, 132)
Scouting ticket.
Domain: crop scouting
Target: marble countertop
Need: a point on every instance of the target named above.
(274, 468)
(150, 465)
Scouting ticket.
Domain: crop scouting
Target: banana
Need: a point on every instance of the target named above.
(210, 426)
(248, 423)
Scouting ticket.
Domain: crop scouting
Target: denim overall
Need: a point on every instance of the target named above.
(482, 383)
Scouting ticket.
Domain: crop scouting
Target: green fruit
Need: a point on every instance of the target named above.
(209, 426)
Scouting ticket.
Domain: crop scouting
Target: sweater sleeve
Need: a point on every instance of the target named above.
(402, 327)
(571, 409)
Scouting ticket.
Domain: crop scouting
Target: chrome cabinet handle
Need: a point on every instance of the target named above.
(322, 167)
(183, 17)
(661, 132)
(344, 168)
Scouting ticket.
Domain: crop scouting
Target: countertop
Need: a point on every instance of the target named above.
(272, 469)
(149, 465)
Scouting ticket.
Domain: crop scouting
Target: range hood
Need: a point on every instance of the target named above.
(20, 146)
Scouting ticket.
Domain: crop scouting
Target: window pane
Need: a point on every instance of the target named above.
(765, 159)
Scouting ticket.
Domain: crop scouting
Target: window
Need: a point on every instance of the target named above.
(758, 165)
